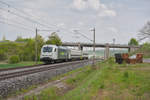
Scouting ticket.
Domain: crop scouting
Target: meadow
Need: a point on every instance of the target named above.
(109, 81)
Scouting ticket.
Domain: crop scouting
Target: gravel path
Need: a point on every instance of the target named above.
(36, 91)
(30, 68)
(57, 83)
(12, 85)
(146, 60)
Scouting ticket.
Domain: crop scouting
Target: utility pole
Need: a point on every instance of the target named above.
(114, 44)
(36, 43)
(93, 47)
(36, 47)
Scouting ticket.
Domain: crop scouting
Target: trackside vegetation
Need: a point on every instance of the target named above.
(145, 49)
(109, 82)
(20, 64)
(14, 59)
(23, 49)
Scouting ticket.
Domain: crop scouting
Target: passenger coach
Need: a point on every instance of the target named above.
(53, 53)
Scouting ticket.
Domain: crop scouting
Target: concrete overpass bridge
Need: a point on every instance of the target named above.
(107, 46)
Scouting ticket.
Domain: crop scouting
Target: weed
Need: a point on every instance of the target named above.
(126, 74)
(116, 83)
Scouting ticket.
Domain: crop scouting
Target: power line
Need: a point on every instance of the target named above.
(83, 35)
(4, 3)
(24, 13)
(23, 17)
(16, 22)
(16, 26)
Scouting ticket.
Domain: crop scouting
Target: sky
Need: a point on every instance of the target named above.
(113, 19)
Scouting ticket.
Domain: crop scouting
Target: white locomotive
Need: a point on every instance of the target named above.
(53, 53)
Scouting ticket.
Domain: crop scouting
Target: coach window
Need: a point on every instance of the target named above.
(55, 50)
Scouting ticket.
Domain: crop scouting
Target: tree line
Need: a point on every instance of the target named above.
(24, 48)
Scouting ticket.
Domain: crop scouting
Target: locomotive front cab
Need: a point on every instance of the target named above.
(48, 53)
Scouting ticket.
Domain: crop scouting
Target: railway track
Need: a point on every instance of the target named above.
(32, 66)
(17, 72)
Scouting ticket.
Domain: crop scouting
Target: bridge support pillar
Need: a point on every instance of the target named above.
(80, 47)
(106, 52)
(132, 49)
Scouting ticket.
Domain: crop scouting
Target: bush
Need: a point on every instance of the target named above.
(3, 56)
(111, 60)
(14, 59)
(126, 74)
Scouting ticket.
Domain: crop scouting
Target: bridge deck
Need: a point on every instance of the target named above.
(99, 45)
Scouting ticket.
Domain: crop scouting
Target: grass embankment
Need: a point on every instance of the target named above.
(109, 82)
(21, 64)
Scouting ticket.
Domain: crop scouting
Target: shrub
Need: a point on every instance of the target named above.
(111, 60)
(14, 59)
(3, 56)
(102, 86)
(126, 74)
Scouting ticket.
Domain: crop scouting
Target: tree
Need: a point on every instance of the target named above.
(133, 41)
(4, 38)
(54, 39)
(145, 31)
(14, 59)
(3, 55)
(40, 41)
(20, 39)
(29, 51)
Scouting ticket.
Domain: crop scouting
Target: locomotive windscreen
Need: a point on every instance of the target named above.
(47, 49)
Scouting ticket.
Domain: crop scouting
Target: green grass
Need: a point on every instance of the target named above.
(109, 82)
(47, 94)
(21, 64)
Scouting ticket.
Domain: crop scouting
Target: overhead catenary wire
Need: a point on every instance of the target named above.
(26, 14)
(16, 22)
(77, 31)
(22, 14)
(29, 17)
(16, 26)
(23, 17)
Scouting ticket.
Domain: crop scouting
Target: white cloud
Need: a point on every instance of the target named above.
(113, 29)
(56, 12)
(80, 23)
(84, 4)
(105, 13)
(61, 25)
(96, 5)
(79, 4)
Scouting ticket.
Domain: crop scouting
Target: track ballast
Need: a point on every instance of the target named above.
(18, 72)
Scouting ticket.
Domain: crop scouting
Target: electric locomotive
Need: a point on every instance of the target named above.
(53, 53)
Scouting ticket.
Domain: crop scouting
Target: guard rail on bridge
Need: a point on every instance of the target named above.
(100, 45)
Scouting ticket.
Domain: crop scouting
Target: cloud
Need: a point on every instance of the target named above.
(80, 23)
(101, 9)
(84, 4)
(107, 13)
(61, 25)
(79, 4)
(113, 29)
